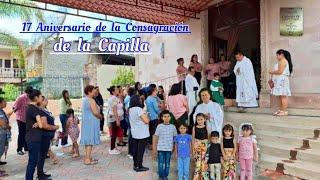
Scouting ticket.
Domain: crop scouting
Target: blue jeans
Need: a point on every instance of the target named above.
(183, 168)
(63, 119)
(34, 151)
(45, 144)
(164, 163)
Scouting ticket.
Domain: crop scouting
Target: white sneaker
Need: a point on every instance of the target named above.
(114, 151)
(131, 157)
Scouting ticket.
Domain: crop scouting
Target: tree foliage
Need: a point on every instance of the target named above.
(124, 76)
(11, 92)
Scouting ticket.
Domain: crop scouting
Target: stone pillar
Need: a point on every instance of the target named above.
(204, 43)
(265, 55)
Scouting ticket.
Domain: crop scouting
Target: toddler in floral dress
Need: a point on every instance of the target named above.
(73, 131)
(247, 146)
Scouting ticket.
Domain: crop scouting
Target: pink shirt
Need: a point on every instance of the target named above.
(246, 147)
(182, 72)
(177, 104)
(224, 68)
(197, 66)
(20, 107)
(211, 69)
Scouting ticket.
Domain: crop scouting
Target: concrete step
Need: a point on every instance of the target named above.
(305, 170)
(285, 128)
(281, 138)
(283, 150)
(292, 111)
(293, 120)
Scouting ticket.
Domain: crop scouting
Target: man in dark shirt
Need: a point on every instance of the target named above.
(99, 101)
(214, 155)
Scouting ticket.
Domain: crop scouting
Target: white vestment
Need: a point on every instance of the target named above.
(215, 122)
(192, 95)
(247, 92)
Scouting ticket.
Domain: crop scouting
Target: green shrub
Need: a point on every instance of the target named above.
(11, 92)
(124, 76)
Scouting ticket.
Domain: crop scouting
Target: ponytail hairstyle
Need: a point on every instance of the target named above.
(66, 99)
(286, 55)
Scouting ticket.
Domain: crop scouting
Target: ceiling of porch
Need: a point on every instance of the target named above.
(151, 11)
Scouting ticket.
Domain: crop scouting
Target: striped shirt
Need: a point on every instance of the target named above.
(166, 134)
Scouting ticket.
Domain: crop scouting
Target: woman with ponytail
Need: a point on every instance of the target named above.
(65, 103)
(280, 80)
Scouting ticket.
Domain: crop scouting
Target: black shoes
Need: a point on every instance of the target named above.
(123, 144)
(3, 163)
(140, 169)
(44, 176)
(21, 153)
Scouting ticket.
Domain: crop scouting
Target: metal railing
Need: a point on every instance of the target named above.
(12, 73)
(165, 82)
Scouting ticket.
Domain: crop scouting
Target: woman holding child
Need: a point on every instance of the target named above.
(212, 110)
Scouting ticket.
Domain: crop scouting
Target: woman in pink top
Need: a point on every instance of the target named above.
(225, 75)
(182, 73)
(211, 69)
(198, 67)
(20, 107)
(224, 66)
(178, 104)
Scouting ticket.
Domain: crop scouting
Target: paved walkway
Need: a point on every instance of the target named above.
(110, 167)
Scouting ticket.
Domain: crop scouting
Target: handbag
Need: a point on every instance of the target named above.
(271, 83)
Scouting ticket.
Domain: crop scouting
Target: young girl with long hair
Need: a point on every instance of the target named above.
(229, 149)
(247, 146)
(200, 142)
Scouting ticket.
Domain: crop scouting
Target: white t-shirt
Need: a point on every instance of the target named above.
(115, 101)
(139, 129)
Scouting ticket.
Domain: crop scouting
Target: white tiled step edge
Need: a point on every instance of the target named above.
(293, 120)
(286, 128)
(292, 111)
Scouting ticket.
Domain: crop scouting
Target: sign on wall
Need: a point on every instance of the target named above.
(291, 21)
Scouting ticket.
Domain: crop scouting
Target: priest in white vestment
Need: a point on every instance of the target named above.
(192, 88)
(212, 110)
(247, 92)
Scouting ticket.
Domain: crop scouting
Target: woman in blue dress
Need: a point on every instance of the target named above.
(90, 127)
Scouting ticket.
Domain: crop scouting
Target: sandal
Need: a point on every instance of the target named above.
(55, 161)
(95, 160)
(276, 113)
(283, 113)
(91, 163)
(75, 155)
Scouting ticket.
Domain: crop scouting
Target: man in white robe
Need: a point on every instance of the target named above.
(192, 89)
(247, 92)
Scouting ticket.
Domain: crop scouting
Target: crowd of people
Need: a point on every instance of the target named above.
(187, 123)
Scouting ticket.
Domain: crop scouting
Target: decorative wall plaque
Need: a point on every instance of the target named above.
(291, 21)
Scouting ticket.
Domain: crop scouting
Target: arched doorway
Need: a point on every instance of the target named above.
(235, 26)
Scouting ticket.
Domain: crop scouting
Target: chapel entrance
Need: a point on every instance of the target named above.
(235, 25)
